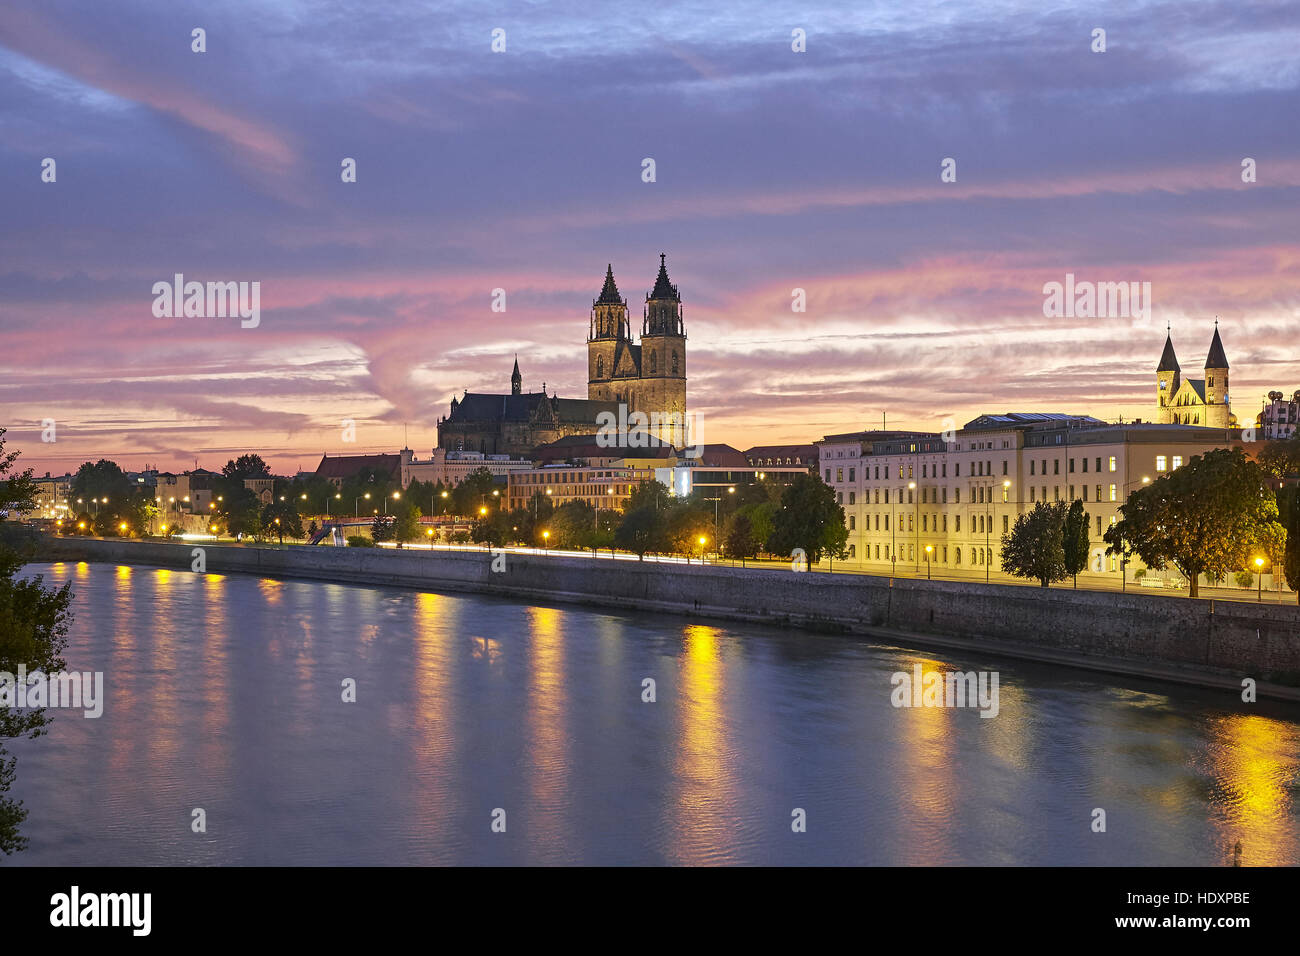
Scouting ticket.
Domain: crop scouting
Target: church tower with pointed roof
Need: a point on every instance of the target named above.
(1194, 401)
(649, 376)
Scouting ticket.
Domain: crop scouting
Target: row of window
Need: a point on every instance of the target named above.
(978, 556)
(982, 469)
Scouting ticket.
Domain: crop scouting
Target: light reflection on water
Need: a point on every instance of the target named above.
(225, 692)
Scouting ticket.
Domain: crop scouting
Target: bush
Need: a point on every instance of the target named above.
(1245, 578)
(359, 541)
(1139, 574)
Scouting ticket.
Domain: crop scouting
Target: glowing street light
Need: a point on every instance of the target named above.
(546, 539)
(929, 550)
(1259, 577)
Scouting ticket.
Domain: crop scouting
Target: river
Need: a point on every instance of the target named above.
(225, 694)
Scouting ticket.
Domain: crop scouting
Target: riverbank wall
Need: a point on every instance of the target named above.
(1207, 642)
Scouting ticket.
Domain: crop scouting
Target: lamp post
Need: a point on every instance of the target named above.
(703, 541)
(356, 505)
(546, 541)
(396, 497)
(929, 549)
(1259, 579)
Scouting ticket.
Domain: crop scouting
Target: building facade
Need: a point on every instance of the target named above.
(1194, 401)
(648, 377)
(513, 425)
(911, 498)
(452, 467)
(1279, 418)
(601, 486)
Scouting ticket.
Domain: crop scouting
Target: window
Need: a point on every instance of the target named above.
(600, 366)
(910, 526)
(886, 471)
(828, 476)
(877, 552)
(853, 497)
(1178, 461)
(877, 522)
(945, 554)
(957, 552)
(1071, 466)
(1112, 462)
(923, 470)
(957, 519)
(878, 472)
(1099, 464)
(1072, 492)
(1031, 466)
(909, 472)
(1006, 523)
(886, 496)
(957, 495)
(675, 366)
(886, 522)
(1056, 492)
(925, 521)
(1162, 463)
(1085, 465)
(1112, 493)
(839, 474)
(945, 495)
(1085, 492)
(878, 495)
(1056, 466)
(1099, 524)
(911, 496)
(853, 522)
(945, 528)
(1031, 493)
(853, 551)
(1004, 466)
(945, 473)
(1099, 492)
(654, 363)
(852, 474)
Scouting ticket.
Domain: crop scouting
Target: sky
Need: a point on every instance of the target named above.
(522, 170)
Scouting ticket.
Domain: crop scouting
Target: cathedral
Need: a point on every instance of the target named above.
(647, 378)
(1194, 401)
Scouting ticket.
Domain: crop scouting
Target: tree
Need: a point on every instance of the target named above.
(1291, 558)
(1210, 516)
(649, 494)
(572, 525)
(381, 529)
(1281, 457)
(808, 519)
(473, 493)
(33, 631)
(406, 522)
(738, 538)
(1035, 546)
(281, 518)
(240, 511)
(492, 529)
(642, 532)
(1077, 543)
(246, 466)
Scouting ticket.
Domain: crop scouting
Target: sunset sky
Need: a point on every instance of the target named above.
(522, 170)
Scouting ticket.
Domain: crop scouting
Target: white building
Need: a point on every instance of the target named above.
(911, 497)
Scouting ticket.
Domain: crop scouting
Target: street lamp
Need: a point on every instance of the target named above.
(703, 540)
(929, 550)
(356, 505)
(546, 540)
(1259, 579)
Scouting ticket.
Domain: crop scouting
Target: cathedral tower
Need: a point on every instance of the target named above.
(1217, 410)
(663, 358)
(608, 336)
(1167, 382)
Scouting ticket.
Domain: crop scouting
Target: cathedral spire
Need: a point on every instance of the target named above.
(516, 380)
(1168, 361)
(1217, 357)
(664, 290)
(609, 294)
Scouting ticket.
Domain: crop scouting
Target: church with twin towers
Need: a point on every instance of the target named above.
(640, 384)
